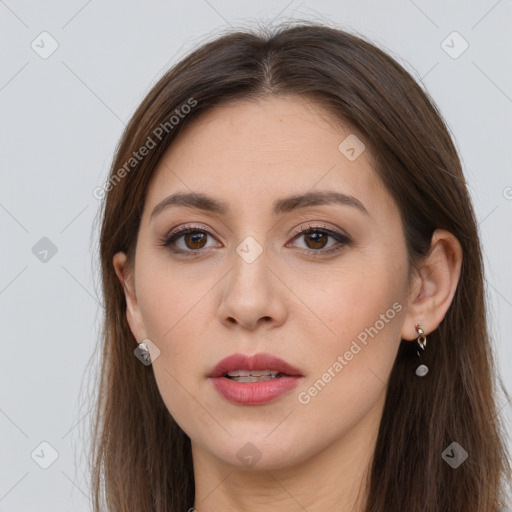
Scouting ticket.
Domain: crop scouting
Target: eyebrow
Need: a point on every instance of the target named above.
(196, 200)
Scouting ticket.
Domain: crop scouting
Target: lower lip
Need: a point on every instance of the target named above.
(254, 393)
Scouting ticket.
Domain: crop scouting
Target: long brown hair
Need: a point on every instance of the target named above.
(141, 459)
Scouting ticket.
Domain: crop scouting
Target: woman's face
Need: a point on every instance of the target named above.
(330, 303)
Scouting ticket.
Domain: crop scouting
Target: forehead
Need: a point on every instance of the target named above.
(249, 153)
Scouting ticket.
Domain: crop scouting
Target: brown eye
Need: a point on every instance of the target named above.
(316, 239)
(194, 239)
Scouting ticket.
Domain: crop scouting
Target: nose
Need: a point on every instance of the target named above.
(253, 294)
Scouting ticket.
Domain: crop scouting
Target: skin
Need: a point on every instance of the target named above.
(304, 309)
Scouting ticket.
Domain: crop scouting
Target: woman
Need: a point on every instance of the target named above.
(293, 286)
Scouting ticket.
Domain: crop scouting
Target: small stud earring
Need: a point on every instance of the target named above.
(422, 369)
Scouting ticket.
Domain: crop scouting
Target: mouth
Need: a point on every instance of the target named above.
(254, 380)
(259, 366)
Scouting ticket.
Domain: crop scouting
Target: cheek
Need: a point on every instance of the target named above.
(352, 303)
(168, 318)
(174, 315)
(361, 314)
(165, 302)
(349, 374)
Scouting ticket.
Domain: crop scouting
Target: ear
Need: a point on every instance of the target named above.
(133, 314)
(433, 287)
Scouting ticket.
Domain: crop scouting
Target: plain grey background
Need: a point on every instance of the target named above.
(62, 114)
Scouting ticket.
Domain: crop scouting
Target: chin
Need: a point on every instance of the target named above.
(257, 453)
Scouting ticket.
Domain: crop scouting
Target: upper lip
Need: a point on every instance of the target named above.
(260, 361)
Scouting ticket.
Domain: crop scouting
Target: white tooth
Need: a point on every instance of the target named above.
(253, 378)
(253, 373)
(239, 373)
(249, 379)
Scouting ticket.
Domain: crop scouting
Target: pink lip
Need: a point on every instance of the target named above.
(254, 393)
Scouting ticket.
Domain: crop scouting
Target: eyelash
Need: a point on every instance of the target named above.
(340, 238)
